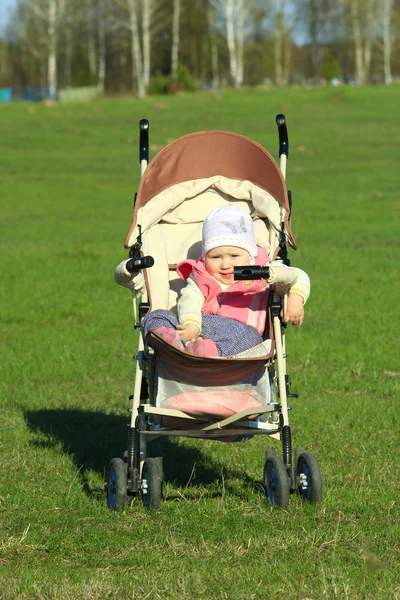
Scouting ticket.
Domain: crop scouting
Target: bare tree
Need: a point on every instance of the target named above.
(362, 18)
(230, 38)
(282, 46)
(69, 42)
(240, 41)
(51, 12)
(234, 17)
(31, 35)
(147, 10)
(140, 39)
(137, 62)
(386, 21)
(101, 32)
(52, 40)
(214, 46)
(91, 36)
(387, 7)
(175, 37)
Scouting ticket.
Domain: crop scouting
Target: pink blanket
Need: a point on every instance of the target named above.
(214, 403)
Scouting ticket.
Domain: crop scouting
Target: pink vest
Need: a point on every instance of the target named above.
(244, 301)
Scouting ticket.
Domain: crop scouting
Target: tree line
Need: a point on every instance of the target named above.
(158, 46)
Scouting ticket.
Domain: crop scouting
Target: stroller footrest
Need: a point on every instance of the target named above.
(242, 415)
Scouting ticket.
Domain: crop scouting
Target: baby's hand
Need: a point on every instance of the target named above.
(188, 332)
(294, 310)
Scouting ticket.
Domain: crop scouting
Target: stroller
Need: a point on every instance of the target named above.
(177, 394)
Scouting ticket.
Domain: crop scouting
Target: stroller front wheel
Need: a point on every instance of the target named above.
(276, 481)
(308, 477)
(152, 479)
(117, 482)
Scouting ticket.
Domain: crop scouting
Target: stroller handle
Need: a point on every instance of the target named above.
(134, 265)
(250, 272)
(283, 135)
(144, 140)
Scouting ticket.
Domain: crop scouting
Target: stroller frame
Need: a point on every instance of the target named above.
(141, 473)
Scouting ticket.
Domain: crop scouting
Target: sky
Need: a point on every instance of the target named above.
(5, 8)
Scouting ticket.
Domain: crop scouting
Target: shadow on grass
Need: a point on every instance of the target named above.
(93, 438)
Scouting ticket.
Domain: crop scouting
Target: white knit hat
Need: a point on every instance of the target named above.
(229, 226)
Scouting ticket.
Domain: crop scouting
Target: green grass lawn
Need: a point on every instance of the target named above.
(67, 178)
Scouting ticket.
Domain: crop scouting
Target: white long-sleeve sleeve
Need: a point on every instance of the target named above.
(302, 287)
(190, 303)
(133, 281)
(289, 279)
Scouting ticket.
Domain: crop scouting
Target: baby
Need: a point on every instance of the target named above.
(218, 316)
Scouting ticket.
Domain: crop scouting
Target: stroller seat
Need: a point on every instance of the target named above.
(175, 195)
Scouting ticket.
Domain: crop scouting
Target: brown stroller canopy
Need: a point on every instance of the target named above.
(208, 153)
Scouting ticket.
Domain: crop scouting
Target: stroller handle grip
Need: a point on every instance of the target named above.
(283, 135)
(144, 140)
(250, 272)
(134, 265)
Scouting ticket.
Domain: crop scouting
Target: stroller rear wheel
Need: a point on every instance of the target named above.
(117, 482)
(152, 480)
(276, 481)
(309, 480)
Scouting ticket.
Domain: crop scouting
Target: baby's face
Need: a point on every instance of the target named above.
(220, 261)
